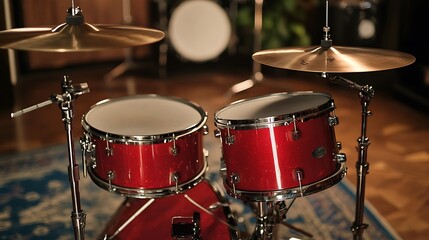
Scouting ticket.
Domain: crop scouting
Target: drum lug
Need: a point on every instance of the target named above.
(85, 143)
(111, 176)
(108, 150)
(217, 133)
(205, 130)
(222, 167)
(339, 146)
(299, 175)
(296, 133)
(340, 157)
(230, 139)
(235, 178)
(174, 150)
(174, 177)
(333, 121)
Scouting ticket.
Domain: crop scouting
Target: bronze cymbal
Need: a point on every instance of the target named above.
(333, 59)
(78, 37)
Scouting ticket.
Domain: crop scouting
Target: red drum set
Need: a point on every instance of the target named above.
(150, 149)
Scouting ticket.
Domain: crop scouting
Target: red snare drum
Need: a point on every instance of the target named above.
(279, 146)
(145, 146)
(156, 218)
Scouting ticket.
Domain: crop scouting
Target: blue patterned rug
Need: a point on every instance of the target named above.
(35, 203)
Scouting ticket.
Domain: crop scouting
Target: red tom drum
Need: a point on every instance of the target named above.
(173, 217)
(145, 146)
(279, 146)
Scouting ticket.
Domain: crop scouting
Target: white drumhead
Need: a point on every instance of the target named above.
(149, 115)
(273, 106)
(199, 30)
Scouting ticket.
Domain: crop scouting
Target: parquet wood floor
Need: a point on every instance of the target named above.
(397, 184)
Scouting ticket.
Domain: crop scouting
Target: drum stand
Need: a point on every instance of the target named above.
(366, 93)
(268, 215)
(65, 102)
(257, 74)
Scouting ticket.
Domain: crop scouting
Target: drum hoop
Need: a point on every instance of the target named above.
(148, 193)
(275, 121)
(279, 195)
(145, 139)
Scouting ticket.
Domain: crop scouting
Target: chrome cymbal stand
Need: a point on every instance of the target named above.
(366, 93)
(257, 75)
(65, 102)
(129, 62)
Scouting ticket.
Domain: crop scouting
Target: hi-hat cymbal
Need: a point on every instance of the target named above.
(78, 37)
(333, 59)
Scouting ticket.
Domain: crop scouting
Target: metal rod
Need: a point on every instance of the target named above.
(366, 93)
(29, 109)
(125, 224)
(257, 75)
(65, 103)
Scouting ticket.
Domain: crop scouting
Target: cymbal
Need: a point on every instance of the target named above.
(78, 37)
(333, 59)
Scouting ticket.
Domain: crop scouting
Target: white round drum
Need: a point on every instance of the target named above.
(199, 30)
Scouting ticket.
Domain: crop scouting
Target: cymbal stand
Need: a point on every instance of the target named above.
(65, 102)
(129, 62)
(366, 93)
(257, 75)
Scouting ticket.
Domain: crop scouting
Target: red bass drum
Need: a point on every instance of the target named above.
(198, 213)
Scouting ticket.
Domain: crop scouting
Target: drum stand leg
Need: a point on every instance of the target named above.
(65, 102)
(257, 75)
(129, 63)
(366, 93)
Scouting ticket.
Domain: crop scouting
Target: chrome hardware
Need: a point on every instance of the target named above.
(230, 139)
(86, 147)
(235, 178)
(205, 130)
(299, 174)
(222, 170)
(333, 121)
(340, 157)
(174, 150)
(110, 177)
(217, 133)
(108, 150)
(174, 177)
(339, 146)
(296, 134)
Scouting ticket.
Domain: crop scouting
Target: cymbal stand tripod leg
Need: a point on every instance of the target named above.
(366, 93)
(129, 62)
(257, 74)
(65, 102)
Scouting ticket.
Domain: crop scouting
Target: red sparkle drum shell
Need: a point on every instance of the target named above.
(145, 145)
(260, 151)
(155, 221)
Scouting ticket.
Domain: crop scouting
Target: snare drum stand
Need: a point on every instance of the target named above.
(366, 93)
(65, 102)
